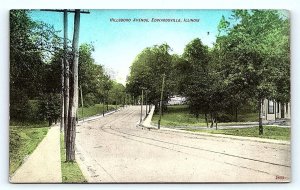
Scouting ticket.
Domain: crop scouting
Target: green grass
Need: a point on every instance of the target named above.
(22, 142)
(179, 115)
(270, 132)
(71, 172)
(251, 117)
(93, 110)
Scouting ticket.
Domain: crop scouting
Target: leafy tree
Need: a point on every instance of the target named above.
(117, 93)
(196, 83)
(147, 70)
(255, 55)
(49, 107)
(25, 62)
(29, 41)
(92, 77)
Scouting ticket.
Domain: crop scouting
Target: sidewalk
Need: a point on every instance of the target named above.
(44, 164)
(147, 122)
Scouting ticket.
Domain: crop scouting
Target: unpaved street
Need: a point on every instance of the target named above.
(113, 149)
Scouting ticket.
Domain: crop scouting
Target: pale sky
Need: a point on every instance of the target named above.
(118, 43)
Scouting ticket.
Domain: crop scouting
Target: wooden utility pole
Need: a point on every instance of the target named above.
(66, 76)
(146, 102)
(62, 120)
(260, 126)
(103, 107)
(81, 97)
(73, 104)
(161, 100)
(141, 118)
(70, 102)
(107, 100)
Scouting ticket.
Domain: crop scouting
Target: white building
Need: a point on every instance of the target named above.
(272, 110)
(176, 100)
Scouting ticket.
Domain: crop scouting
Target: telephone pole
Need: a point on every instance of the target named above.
(146, 102)
(141, 118)
(81, 97)
(103, 106)
(66, 76)
(161, 99)
(66, 93)
(62, 119)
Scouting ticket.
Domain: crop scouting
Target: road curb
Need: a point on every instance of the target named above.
(254, 139)
(95, 117)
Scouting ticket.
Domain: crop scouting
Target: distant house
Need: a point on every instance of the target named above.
(272, 110)
(177, 100)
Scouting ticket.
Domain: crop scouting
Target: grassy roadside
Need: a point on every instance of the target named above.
(270, 132)
(94, 110)
(22, 142)
(179, 116)
(71, 172)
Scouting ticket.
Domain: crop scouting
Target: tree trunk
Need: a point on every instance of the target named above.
(236, 114)
(161, 100)
(71, 132)
(66, 77)
(82, 111)
(107, 102)
(206, 120)
(103, 107)
(212, 120)
(49, 121)
(261, 130)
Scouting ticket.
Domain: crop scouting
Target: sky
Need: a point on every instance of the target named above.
(118, 43)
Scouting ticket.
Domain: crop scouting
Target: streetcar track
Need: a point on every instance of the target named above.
(202, 149)
(107, 119)
(191, 147)
(196, 136)
(113, 126)
(239, 166)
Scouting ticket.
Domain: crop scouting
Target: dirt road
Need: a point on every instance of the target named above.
(113, 149)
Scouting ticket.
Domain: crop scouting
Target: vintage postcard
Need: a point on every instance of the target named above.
(149, 96)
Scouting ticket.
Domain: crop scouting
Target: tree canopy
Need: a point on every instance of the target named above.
(36, 55)
(249, 62)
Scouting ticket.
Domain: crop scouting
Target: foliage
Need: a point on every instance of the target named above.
(117, 94)
(30, 45)
(198, 85)
(254, 55)
(93, 80)
(146, 72)
(36, 54)
(249, 60)
(49, 107)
